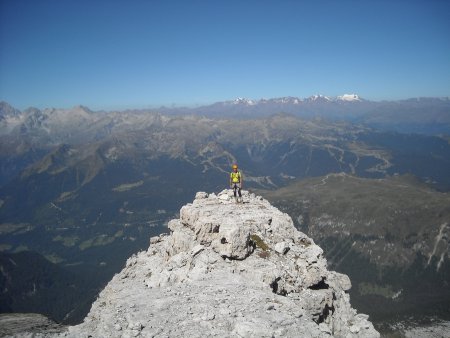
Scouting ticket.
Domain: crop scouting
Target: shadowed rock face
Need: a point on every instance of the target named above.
(228, 270)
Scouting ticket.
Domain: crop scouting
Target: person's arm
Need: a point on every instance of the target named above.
(241, 179)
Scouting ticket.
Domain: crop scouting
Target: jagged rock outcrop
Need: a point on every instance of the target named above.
(227, 270)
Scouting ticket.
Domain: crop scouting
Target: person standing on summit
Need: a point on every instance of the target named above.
(236, 182)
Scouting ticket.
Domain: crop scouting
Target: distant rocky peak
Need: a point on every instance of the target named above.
(227, 269)
(318, 97)
(7, 110)
(82, 108)
(287, 100)
(32, 111)
(244, 101)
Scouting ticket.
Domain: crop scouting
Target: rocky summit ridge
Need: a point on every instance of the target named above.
(226, 270)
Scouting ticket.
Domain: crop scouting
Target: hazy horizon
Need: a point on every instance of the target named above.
(142, 54)
(199, 105)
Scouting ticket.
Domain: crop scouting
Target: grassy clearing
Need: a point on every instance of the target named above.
(385, 291)
(5, 247)
(54, 258)
(128, 186)
(8, 228)
(96, 241)
(68, 241)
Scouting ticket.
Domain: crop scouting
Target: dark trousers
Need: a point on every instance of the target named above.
(237, 186)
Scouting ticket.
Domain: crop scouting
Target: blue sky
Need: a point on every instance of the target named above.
(131, 54)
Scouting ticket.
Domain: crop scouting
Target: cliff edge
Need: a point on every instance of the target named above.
(227, 270)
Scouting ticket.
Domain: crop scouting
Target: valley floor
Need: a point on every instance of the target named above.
(434, 329)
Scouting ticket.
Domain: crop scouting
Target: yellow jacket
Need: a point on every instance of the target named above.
(235, 177)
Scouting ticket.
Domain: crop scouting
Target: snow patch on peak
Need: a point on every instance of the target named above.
(247, 102)
(318, 97)
(287, 99)
(349, 98)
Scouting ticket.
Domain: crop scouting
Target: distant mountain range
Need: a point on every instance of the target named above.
(416, 115)
(86, 189)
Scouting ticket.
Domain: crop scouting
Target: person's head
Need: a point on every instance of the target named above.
(235, 167)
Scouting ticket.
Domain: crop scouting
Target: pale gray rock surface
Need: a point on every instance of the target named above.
(27, 325)
(227, 270)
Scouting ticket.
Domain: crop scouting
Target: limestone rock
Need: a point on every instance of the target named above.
(282, 248)
(200, 195)
(228, 270)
